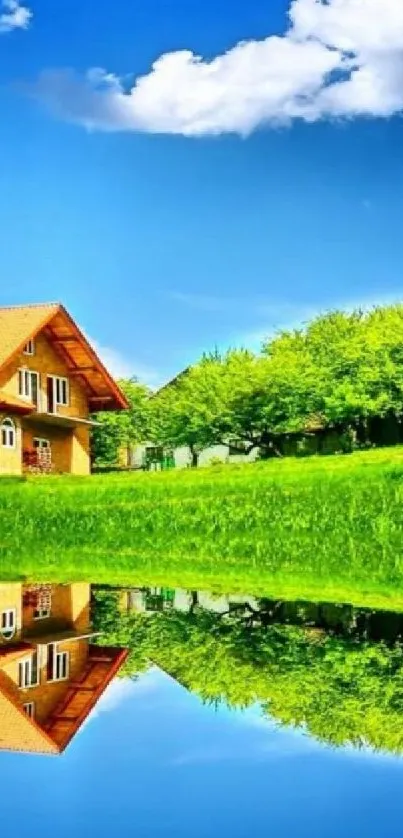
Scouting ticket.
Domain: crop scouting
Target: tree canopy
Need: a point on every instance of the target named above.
(338, 372)
(124, 428)
(342, 691)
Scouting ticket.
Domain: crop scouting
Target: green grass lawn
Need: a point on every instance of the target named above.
(317, 528)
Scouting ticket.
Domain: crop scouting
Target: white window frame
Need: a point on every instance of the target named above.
(57, 382)
(29, 709)
(58, 657)
(26, 665)
(9, 430)
(41, 613)
(29, 348)
(25, 379)
(8, 632)
(41, 440)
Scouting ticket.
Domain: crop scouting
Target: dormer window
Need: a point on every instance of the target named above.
(29, 348)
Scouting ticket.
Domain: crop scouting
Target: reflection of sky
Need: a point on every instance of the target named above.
(152, 761)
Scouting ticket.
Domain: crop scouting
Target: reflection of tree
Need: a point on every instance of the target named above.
(344, 690)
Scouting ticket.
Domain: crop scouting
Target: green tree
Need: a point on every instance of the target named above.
(340, 690)
(123, 428)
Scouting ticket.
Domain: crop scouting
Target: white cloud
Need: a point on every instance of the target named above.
(121, 367)
(337, 58)
(14, 16)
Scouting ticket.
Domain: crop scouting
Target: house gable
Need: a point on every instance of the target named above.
(20, 324)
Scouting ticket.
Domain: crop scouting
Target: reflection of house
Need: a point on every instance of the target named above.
(51, 676)
(51, 380)
(148, 600)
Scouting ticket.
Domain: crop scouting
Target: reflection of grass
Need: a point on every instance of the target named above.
(326, 528)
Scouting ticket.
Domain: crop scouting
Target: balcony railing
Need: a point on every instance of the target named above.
(37, 460)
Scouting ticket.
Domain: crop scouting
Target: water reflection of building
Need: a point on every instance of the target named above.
(51, 674)
(143, 600)
(334, 618)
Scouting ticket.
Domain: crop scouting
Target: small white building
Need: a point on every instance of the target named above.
(181, 457)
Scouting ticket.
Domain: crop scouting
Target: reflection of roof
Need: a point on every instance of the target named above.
(18, 732)
(19, 324)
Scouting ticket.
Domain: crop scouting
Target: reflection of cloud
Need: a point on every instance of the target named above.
(121, 690)
(277, 747)
(265, 741)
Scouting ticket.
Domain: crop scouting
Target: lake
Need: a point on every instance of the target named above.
(169, 711)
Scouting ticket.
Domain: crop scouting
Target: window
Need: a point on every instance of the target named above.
(29, 348)
(7, 433)
(28, 672)
(58, 664)
(58, 392)
(41, 613)
(8, 623)
(29, 709)
(28, 386)
(38, 442)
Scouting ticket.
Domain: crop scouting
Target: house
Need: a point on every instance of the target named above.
(51, 381)
(51, 675)
(156, 599)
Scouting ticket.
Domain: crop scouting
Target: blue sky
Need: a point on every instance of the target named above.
(153, 760)
(203, 202)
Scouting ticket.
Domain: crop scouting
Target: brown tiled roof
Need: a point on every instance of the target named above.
(17, 731)
(17, 405)
(20, 323)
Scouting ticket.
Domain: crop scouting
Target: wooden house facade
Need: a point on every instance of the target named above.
(51, 672)
(51, 381)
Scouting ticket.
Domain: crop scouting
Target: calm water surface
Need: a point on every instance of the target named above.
(156, 711)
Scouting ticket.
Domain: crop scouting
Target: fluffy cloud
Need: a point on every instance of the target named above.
(13, 16)
(337, 58)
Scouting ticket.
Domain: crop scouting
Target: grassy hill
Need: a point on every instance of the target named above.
(318, 528)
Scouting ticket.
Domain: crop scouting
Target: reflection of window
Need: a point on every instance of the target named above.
(28, 674)
(41, 613)
(29, 348)
(7, 429)
(58, 664)
(237, 446)
(8, 623)
(29, 709)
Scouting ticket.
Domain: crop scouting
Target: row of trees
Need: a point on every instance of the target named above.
(340, 371)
